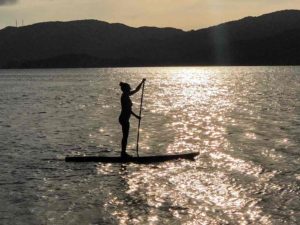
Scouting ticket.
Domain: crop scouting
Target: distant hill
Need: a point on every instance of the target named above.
(270, 39)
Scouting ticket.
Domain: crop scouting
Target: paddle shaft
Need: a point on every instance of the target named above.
(138, 133)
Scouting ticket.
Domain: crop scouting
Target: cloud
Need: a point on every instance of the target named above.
(8, 2)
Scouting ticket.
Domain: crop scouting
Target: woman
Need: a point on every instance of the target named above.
(126, 113)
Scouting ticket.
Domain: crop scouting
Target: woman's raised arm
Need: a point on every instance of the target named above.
(137, 88)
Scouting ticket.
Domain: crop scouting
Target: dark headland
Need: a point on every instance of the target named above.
(270, 39)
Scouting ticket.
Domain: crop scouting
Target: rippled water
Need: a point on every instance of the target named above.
(244, 121)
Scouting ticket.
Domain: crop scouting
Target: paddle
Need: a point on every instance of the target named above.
(138, 133)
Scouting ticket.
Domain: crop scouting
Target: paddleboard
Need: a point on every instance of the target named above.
(138, 160)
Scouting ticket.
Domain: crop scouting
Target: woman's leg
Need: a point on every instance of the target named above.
(125, 131)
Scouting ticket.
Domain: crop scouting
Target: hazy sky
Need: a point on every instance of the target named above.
(184, 14)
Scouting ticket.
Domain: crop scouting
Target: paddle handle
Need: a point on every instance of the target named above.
(140, 114)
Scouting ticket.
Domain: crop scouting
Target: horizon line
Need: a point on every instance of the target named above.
(138, 27)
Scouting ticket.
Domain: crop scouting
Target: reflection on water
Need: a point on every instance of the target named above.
(244, 121)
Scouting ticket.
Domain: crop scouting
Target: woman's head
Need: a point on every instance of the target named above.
(125, 87)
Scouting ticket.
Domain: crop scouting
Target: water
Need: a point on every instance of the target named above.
(244, 121)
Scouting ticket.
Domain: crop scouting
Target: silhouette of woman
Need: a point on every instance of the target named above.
(126, 113)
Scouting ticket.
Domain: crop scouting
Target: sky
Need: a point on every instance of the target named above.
(182, 14)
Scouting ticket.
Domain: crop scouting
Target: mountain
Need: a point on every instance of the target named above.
(270, 39)
(76, 39)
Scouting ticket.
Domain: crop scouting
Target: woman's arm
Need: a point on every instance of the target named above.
(136, 116)
(137, 88)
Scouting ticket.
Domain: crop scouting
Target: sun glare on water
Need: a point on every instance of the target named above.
(193, 106)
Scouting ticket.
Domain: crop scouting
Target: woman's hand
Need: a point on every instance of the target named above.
(138, 117)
